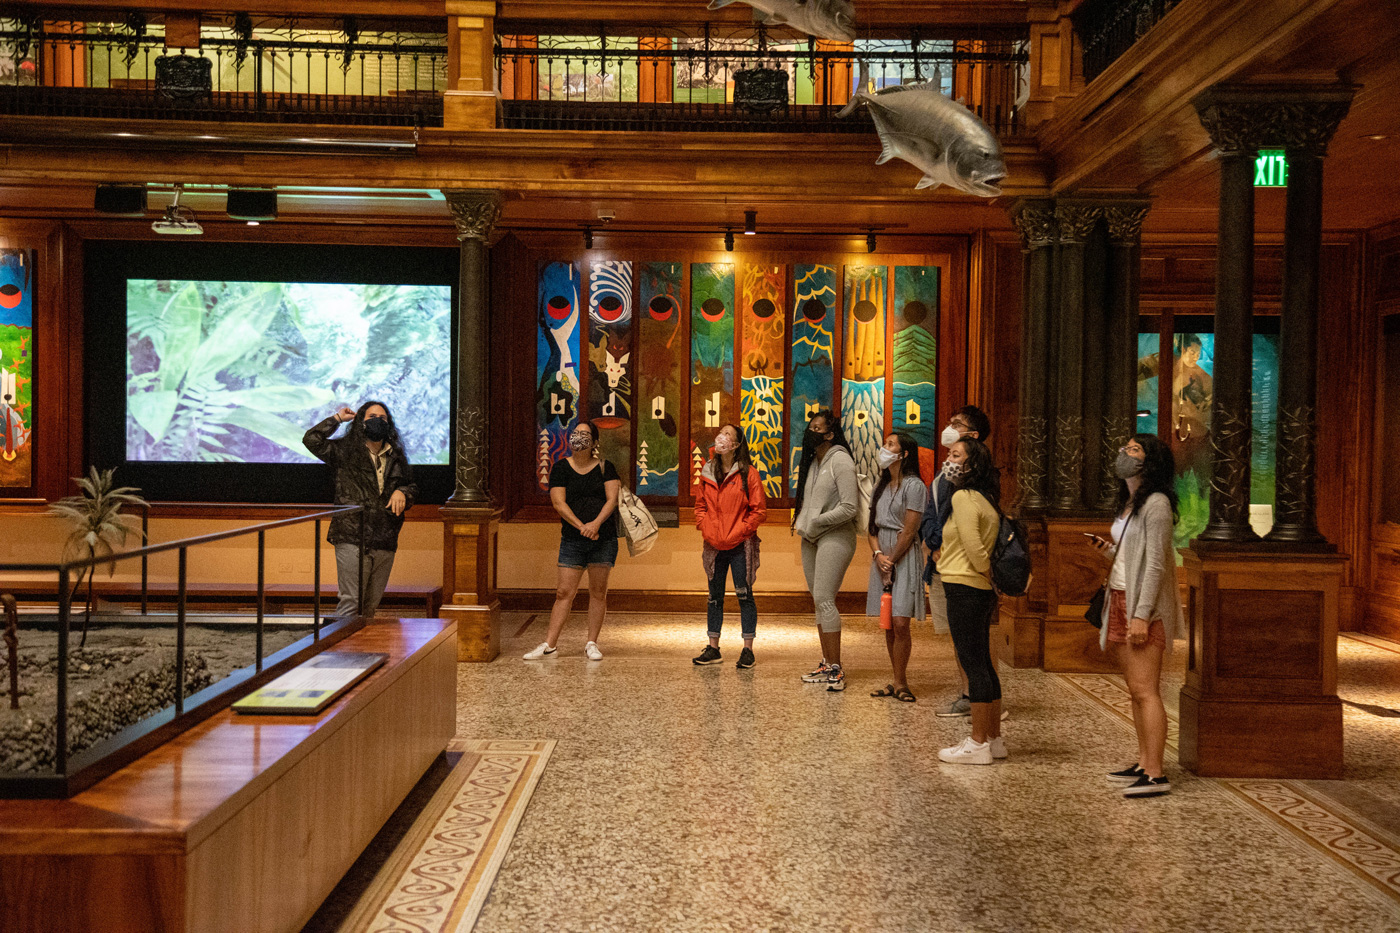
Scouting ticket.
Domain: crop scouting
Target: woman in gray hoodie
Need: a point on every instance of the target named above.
(824, 515)
(1142, 608)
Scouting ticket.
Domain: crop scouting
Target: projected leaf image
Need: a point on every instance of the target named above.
(235, 372)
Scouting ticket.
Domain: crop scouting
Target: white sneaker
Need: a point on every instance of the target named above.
(967, 753)
(998, 745)
(541, 651)
(591, 649)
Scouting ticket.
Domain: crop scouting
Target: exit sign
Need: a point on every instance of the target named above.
(1271, 169)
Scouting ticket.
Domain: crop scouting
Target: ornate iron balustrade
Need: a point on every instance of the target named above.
(750, 84)
(1109, 28)
(265, 73)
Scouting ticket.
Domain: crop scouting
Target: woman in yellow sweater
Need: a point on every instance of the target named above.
(965, 565)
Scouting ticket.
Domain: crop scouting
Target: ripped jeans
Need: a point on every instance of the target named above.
(727, 562)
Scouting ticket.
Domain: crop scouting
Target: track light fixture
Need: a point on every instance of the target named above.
(729, 239)
(587, 237)
(750, 223)
(870, 242)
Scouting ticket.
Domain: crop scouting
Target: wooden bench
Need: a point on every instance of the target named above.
(243, 822)
(411, 601)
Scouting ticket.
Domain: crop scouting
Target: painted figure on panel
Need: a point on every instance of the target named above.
(1193, 388)
(609, 358)
(916, 354)
(863, 364)
(557, 396)
(660, 350)
(761, 372)
(712, 358)
(813, 340)
(16, 368)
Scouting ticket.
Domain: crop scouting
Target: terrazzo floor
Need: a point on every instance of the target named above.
(682, 798)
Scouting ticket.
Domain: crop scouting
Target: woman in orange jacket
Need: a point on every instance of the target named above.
(728, 510)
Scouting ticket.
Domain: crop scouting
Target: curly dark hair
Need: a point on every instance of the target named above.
(357, 426)
(908, 466)
(1158, 475)
(838, 439)
(981, 473)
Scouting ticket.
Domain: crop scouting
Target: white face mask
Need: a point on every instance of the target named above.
(885, 457)
(953, 470)
(724, 444)
(950, 436)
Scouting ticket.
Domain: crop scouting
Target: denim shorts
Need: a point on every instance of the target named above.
(581, 552)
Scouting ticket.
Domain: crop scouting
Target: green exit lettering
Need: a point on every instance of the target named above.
(1271, 169)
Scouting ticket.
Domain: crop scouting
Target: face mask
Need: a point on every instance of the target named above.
(580, 441)
(1126, 466)
(950, 436)
(377, 429)
(953, 470)
(885, 458)
(811, 440)
(724, 444)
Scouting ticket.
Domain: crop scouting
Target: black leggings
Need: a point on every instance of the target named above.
(969, 621)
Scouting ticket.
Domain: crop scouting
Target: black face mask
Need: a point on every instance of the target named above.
(376, 429)
(811, 440)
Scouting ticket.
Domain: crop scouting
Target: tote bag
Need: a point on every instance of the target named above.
(638, 527)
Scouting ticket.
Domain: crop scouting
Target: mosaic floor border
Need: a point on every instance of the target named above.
(439, 876)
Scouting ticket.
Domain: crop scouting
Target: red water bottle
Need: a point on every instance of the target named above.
(887, 606)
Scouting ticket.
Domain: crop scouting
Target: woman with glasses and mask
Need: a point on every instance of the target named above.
(824, 516)
(371, 471)
(583, 489)
(896, 508)
(1142, 612)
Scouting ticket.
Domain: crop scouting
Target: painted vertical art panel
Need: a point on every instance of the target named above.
(863, 363)
(661, 353)
(915, 391)
(711, 358)
(1149, 362)
(813, 341)
(557, 358)
(610, 385)
(761, 382)
(16, 369)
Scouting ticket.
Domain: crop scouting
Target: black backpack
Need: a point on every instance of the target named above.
(1011, 558)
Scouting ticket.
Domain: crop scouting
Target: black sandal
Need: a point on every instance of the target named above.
(888, 691)
(903, 695)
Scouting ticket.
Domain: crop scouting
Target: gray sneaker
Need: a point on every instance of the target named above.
(962, 706)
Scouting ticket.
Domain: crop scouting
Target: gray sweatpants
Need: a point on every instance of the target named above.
(824, 564)
(347, 569)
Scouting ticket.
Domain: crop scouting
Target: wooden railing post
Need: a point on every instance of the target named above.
(469, 103)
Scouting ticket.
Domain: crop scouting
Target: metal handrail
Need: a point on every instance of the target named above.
(65, 596)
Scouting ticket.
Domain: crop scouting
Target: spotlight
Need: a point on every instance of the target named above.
(870, 242)
(587, 237)
(729, 240)
(750, 223)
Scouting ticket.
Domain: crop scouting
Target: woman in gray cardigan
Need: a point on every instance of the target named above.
(824, 515)
(1142, 612)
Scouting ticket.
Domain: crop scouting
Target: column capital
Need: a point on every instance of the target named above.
(1246, 118)
(1035, 222)
(475, 211)
(1075, 222)
(1125, 222)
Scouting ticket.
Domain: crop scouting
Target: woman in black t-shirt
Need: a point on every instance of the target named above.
(583, 489)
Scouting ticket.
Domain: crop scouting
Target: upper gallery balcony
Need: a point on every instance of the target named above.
(725, 76)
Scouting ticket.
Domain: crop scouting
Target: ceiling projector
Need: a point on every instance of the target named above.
(177, 220)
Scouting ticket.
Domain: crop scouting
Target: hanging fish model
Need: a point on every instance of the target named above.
(825, 19)
(935, 134)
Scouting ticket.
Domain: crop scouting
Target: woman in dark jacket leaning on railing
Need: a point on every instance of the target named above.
(372, 471)
(1142, 609)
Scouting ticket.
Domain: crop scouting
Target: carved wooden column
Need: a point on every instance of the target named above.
(1120, 383)
(471, 520)
(1308, 132)
(1073, 226)
(1035, 221)
(469, 102)
(1260, 698)
(1233, 126)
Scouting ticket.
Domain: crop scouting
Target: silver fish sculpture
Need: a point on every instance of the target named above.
(825, 19)
(935, 134)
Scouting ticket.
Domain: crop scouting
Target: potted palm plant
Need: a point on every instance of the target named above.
(97, 527)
